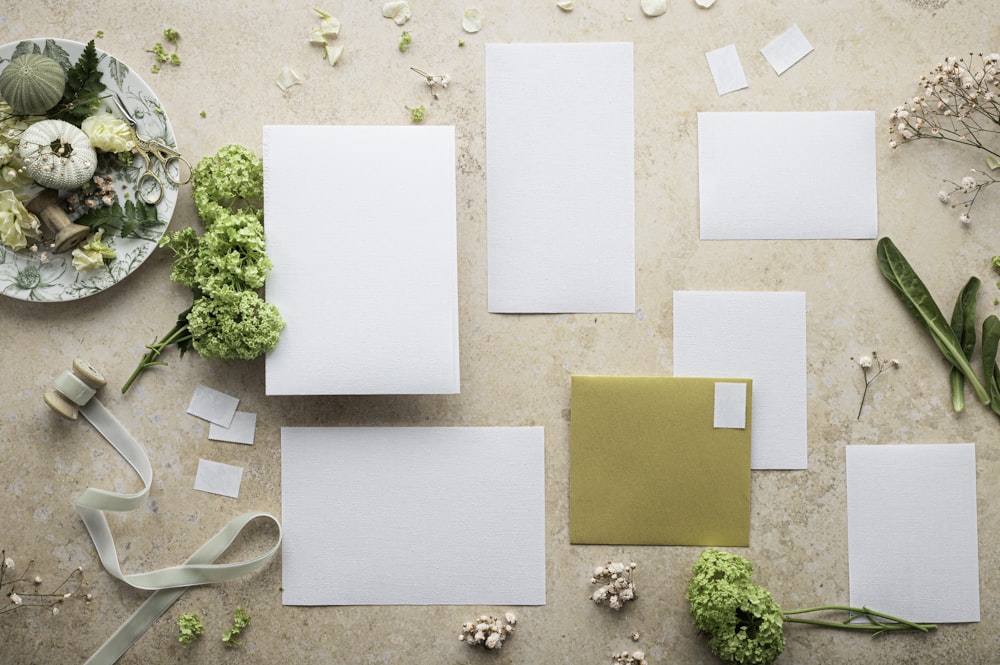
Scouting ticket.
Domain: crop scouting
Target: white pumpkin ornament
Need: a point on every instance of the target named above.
(57, 155)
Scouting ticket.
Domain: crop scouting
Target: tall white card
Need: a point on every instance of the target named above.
(757, 335)
(361, 228)
(787, 175)
(413, 516)
(560, 180)
(913, 546)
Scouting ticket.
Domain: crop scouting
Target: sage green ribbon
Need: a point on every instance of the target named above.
(167, 584)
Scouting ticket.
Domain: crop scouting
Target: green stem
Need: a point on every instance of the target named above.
(874, 626)
(177, 335)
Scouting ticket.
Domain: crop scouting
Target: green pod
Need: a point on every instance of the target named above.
(32, 84)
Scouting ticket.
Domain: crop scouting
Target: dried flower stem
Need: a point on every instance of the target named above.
(32, 599)
(871, 367)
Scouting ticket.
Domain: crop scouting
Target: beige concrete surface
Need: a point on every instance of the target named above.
(515, 369)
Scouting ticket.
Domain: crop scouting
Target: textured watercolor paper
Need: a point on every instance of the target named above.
(240, 431)
(214, 406)
(761, 336)
(560, 178)
(912, 535)
(727, 70)
(218, 478)
(787, 175)
(413, 515)
(786, 49)
(361, 227)
(688, 480)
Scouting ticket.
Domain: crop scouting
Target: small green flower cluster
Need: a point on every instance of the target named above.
(189, 628)
(224, 267)
(743, 623)
(240, 621)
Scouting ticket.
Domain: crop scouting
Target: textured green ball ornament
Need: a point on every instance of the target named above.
(32, 84)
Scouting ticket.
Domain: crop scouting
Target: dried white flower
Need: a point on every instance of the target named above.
(8, 563)
(617, 587)
(16, 599)
(488, 631)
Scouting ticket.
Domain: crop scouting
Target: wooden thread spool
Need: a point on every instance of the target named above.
(46, 207)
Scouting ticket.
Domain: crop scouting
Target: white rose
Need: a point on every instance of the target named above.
(108, 133)
(16, 223)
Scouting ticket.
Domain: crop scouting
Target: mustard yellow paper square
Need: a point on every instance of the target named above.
(649, 467)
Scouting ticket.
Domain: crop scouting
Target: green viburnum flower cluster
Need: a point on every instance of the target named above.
(741, 619)
(743, 623)
(224, 267)
(189, 628)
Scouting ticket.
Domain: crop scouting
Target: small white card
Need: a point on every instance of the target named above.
(560, 178)
(214, 406)
(912, 535)
(760, 336)
(727, 70)
(730, 405)
(361, 227)
(241, 430)
(218, 478)
(786, 49)
(787, 175)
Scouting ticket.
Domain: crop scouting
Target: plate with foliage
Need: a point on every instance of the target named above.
(122, 230)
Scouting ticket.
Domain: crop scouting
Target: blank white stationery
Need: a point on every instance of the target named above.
(212, 405)
(413, 516)
(788, 175)
(786, 49)
(912, 536)
(218, 478)
(727, 70)
(560, 178)
(241, 430)
(755, 335)
(361, 228)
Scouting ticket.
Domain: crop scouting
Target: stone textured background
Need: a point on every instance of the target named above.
(515, 369)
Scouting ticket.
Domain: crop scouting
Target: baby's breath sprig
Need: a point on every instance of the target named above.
(871, 367)
(67, 589)
(617, 587)
(488, 631)
(434, 81)
(959, 103)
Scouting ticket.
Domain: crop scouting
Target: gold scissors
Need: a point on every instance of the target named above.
(149, 187)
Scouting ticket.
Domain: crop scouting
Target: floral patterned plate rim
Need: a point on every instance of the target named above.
(23, 275)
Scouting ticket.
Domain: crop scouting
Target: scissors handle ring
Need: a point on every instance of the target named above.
(149, 187)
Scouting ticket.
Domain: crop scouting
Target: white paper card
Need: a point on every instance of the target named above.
(413, 516)
(912, 536)
(760, 336)
(727, 70)
(214, 406)
(240, 431)
(730, 405)
(218, 478)
(786, 49)
(560, 178)
(361, 228)
(787, 175)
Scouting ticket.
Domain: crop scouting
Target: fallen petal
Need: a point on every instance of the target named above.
(398, 11)
(472, 21)
(653, 7)
(565, 5)
(287, 78)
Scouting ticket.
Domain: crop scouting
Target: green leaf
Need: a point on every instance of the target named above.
(992, 162)
(133, 219)
(918, 300)
(83, 88)
(118, 71)
(991, 340)
(963, 324)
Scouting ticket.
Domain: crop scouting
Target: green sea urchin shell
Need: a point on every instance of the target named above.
(32, 84)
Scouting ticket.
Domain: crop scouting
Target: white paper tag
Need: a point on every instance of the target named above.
(240, 431)
(218, 478)
(213, 406)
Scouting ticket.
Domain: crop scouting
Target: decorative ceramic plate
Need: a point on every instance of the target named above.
(23, 274)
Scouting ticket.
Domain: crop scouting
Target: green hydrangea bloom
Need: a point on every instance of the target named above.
(234, 325)
(184, 244)
(189, 628)
(743, 622)
(231, 179)
(231, 254)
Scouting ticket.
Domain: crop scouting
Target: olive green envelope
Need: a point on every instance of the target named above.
(648, 466)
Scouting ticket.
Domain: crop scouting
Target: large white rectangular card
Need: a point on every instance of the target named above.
(912, 536)
(787, 175)
(560, 178)
(413, 516)
(757, 335)
(361, 228)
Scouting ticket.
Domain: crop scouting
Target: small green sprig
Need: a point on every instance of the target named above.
(417, 114)
(240, 621)
(189, 628)
(171, 36)
(405, 40)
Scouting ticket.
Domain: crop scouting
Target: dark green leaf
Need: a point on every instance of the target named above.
(918, 300)
(991, 339)
(133, 219)
(25, 47)
(118, 70)
(963, 324)
(57, 53)
(83, 88)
